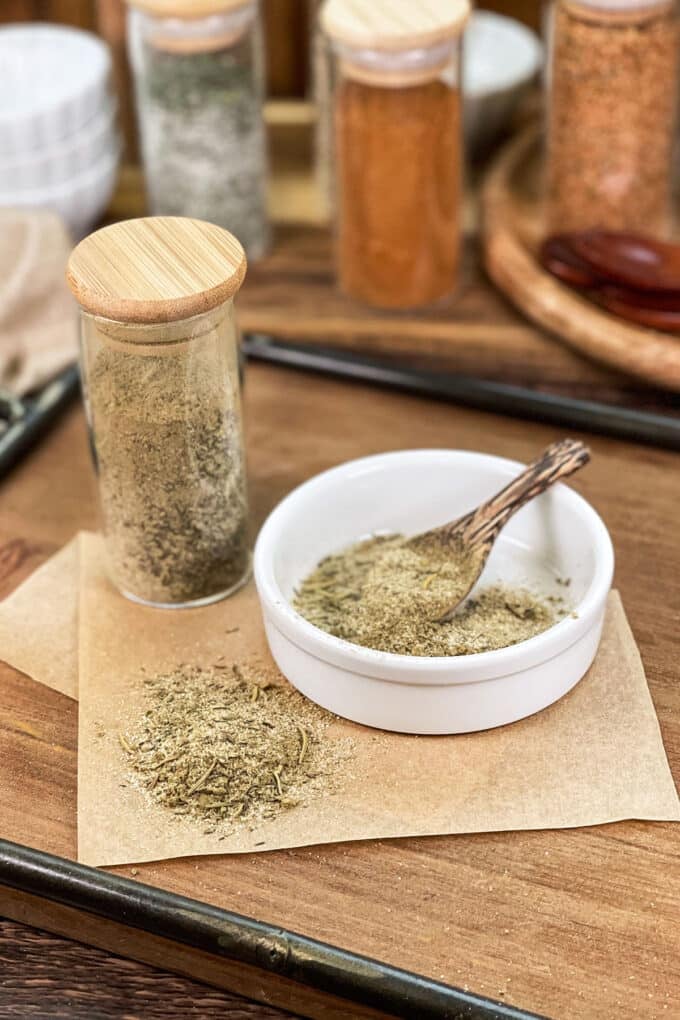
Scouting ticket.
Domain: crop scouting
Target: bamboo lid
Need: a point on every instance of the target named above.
(156, 269)
(187, 8)
(393, 25)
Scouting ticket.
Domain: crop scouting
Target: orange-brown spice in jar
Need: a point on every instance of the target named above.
(611, 121)
(398, 191)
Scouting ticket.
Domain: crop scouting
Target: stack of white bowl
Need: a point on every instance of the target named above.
(59, 143)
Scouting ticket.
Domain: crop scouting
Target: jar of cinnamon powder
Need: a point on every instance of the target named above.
(397, 147)
(159, 364)
(612, 103)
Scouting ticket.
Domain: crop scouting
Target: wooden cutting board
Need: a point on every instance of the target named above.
(512, 232)
(575, 925)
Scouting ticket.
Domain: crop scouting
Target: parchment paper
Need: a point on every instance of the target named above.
(596, 756)
(39, 623)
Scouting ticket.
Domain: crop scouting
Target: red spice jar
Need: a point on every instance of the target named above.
(612, 105)
(397, 147)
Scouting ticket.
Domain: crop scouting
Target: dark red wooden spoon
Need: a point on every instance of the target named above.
(559, 258)
(665, 319)
(663, 301)
(628, 259)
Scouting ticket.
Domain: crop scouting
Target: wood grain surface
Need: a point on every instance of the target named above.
(577, 924)
(42, 975)
(291, 295)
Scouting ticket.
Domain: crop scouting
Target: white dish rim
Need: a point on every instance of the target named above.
(409, 669)
(512, 27)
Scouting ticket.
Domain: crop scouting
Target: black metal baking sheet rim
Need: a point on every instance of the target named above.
(326, 968)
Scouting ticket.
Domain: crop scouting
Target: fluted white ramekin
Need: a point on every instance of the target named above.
(54, 79)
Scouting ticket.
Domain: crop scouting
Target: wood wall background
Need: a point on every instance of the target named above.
(287, 22)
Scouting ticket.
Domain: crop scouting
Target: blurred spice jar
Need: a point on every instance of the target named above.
(612, 105)
(397, 136)
(199, 86)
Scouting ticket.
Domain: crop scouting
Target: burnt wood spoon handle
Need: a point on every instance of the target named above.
(481, 526)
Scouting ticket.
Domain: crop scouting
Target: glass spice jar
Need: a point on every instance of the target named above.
(612, 104)
(199, 85)
(160, 376)
(397, 147)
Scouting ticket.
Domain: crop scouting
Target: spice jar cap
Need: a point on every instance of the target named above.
(187, 8)
(393, 25)
(156, 269)
(620, 6)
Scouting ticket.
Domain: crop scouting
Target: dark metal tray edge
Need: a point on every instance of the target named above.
(326, 968)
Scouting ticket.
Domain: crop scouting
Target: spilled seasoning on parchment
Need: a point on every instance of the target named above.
(231, 745)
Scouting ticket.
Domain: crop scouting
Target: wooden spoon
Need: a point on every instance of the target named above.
(558, 257)
(652, 316)
(471, 538)
(666, 301)
(638, 262)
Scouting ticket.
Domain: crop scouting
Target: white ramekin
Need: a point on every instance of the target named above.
(502, 59)
(65, 159)
(54, 79)
(81, 200)
(408, 492)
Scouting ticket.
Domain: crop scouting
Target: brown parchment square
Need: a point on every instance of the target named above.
(39, 622)
(596, 756)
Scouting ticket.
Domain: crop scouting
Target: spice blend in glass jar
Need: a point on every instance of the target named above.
(612, 101)
(160, 376)
(397, 144)
(198, 71)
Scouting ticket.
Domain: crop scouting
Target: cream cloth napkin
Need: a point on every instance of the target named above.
(38, 316)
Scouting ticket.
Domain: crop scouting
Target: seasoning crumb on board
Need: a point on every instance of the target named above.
(399, 614)
(231, 749)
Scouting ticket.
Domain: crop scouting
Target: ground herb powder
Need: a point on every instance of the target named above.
(375, 594)
(230, 745)
(168, 450)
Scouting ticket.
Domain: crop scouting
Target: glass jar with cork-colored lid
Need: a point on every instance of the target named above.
(397, 147)
(160, 376)
(199, 83)
(612, 111)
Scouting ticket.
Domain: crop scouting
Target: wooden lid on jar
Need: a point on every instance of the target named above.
(393, 25)
(156, 269)
(188, 8)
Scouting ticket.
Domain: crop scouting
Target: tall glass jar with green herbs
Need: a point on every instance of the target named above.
(199, 84)
(159, 363)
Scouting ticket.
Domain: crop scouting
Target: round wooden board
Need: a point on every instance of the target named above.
(512, 230)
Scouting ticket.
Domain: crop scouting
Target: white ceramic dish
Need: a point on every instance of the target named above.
(66, 158)
(80, 201)
(501, 59)
(556, 535)
(54, 80)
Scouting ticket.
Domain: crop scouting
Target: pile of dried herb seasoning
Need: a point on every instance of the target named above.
(203, 137)
(400, 613)
(169, 455)
(228, 745)
(436, 574)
